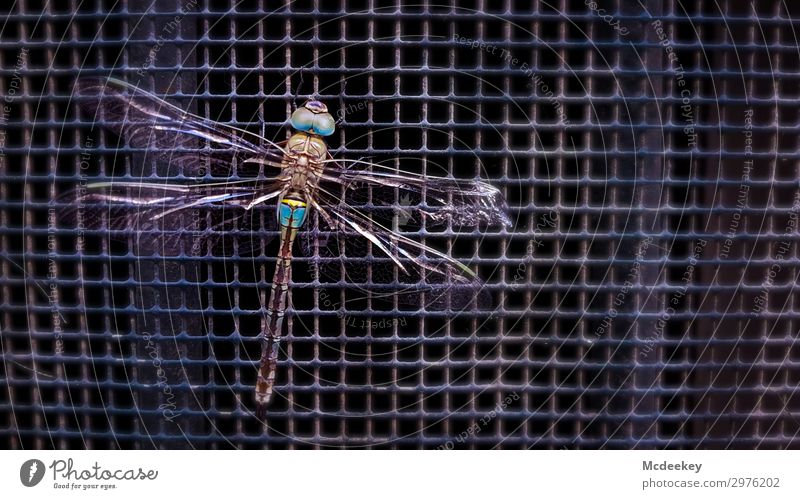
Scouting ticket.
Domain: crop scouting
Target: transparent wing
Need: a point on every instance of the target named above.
(147, 122)
(373, 218)
(430, 200)
(175, 219)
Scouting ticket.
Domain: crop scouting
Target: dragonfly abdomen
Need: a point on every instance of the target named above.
(292, 212)
(276, 310)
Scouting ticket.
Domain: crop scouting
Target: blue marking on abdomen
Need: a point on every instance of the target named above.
(291, 216)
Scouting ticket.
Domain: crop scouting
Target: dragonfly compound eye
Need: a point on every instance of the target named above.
(324, 124)
(302, 119)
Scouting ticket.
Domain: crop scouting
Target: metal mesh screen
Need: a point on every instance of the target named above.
(643, 299)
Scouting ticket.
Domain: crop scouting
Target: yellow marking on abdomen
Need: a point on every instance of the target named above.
(294, 203)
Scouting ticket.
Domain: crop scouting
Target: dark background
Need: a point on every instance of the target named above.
(595, 341)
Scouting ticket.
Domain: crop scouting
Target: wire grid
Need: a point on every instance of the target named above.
(598, 338)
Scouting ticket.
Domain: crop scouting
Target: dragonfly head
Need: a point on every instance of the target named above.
(313, 117)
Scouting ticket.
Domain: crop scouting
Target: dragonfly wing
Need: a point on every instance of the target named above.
(432, 200)
(356, 248)
(166, 131)
(174, 219)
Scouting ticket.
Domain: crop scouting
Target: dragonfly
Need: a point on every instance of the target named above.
(235, 174)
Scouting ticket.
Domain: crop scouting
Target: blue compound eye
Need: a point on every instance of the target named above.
(302, 119)
(324, 124)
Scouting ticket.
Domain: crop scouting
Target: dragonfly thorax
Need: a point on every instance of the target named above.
(305, 144)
